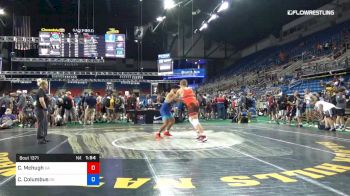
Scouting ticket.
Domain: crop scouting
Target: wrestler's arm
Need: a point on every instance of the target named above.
(177, 99)
(178, 96)
(171, 97)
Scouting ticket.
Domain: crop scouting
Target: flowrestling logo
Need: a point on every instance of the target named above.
(310, 12)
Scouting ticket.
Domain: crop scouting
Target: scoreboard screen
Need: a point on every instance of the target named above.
(115, 45)
(92, 46)
(81, 45)
(50, 44)
(165, 64)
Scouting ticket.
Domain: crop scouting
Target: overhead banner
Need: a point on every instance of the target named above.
(188, 73)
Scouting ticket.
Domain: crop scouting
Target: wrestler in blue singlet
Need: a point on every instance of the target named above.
(165, 111)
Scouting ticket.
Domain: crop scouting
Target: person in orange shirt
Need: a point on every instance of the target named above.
(187, 95)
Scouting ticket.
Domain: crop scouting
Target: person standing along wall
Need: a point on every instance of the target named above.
(68, 105)
(42, 102)
(220, 104)
(90, 109)
(98, 107)
(5, 103)
(20, 103)
(340, 110)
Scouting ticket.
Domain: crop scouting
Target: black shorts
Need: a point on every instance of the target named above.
(118, 110)
(272, 110)
(330, 113)
(340, 112)
(291, 112)
(244, 120)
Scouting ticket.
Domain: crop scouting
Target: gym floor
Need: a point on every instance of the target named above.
(238, 159)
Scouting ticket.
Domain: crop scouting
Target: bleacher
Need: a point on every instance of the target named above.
(98, 87)
(301, 49)
(313, 84)
(75, 89)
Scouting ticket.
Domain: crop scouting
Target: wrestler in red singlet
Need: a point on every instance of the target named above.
(190, 101)
(189, 98)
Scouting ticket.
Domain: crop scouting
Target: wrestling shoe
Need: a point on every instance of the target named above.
(166, 133)
(202, 138)
(158, 136)
(198, 136)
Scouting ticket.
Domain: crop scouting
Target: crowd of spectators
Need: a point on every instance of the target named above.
(326, 109)
(63, 108)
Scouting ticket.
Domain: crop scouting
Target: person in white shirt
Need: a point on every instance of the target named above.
(309, 100)
(328, 111)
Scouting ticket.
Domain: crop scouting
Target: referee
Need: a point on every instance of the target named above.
(42, 102)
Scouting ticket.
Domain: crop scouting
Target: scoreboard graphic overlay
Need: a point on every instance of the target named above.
(57, 170)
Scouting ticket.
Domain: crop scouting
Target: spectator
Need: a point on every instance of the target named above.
(68, 105)
(7, 120)
(90, 102)
(340, 111)
(21, 102)
(5, 102)
(118, 107)
(98, 106)
(328, 111)
(282, 108)
(220, 104)
(299, 108)
(309, 100)
(272, 107)
(42, 102)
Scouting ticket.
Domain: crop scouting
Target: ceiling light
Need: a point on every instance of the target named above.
(169, 4)
(224, 6)
(213, 17)
(161, 18)
(204, 26)
(2, 11)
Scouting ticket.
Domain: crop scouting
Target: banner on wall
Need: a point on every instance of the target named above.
(188, 73)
